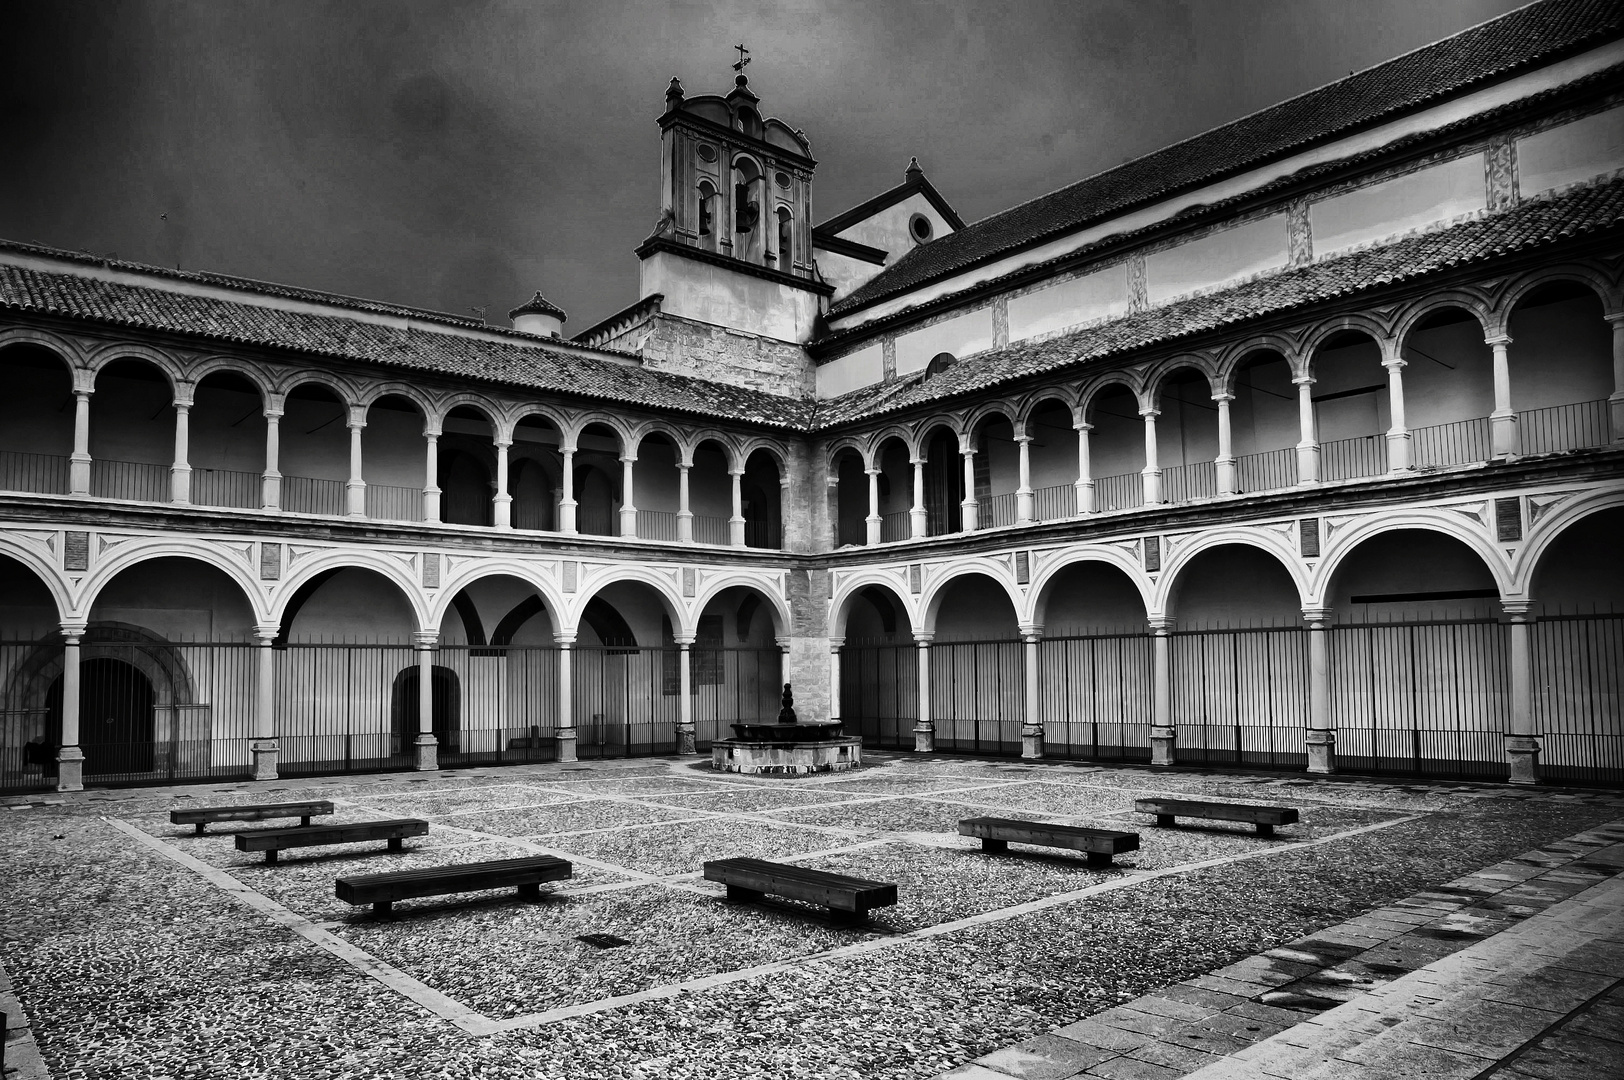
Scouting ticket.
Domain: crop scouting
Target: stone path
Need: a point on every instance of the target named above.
(1515, 972)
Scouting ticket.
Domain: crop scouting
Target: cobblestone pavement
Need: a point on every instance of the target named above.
(1514, 972)
(132, 948)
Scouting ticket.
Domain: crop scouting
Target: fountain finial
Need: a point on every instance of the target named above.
(786, 715)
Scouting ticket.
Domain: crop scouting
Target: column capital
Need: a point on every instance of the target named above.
(1317, 617)
(1497, 339)
(782, 642)
(628, 458)
(1150, 412)
(874, 471)
(425, 639)
(1302, 380)
(1082, 425)
(1024, 438)
(567, 446)
(73, 631)
(835, 644)
(183, 399)
(563, 640)
(272, 413)
(1161, 625)
(916, 462)
(1615, 317)
(431, 431)
(684, 466)
(684, 641)
(357, 417)
(1223, 397)
(502, 444)
(1394, 363)
(924, 637)
(267, 632)
(1031, 634)
(1520, 610)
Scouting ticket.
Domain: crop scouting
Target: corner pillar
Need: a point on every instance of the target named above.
(1163, 732)
(566, 499)
(873, 520)
(1321, 736)
(427, 748)
(918, 521)
(1032, 715)
(431, 475)
(969, 509)
(1308, 448)
(924, 728)
(1152, 472)
(686, 741)
(355, 489)
(628, 509)
(1085, 473)
(835, 644)
(180, 471)
(70, 760)
(1023, 492)
(270, 481)
(1522, 741)
(1615, 401)
(1398, 435)
(735, 522)
(1225, 462)
(502, 502)
(1503, 440)
(79, 460)
(566, 698)
(264, 751)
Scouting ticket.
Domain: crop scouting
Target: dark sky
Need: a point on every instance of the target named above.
(449, 155)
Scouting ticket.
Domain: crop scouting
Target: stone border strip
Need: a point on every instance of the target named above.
(22, 1056)
(476, 1023)
(1210, 1019)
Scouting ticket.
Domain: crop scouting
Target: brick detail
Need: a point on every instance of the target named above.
(707, 351)
(1500, 173)
(1299, 233)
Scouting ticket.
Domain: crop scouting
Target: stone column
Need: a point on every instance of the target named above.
(1032, 716)
(873, 521)
(1522, 741)
(685, 700)
(270, 489)
(1398, 435)
(566, 499)
(264, 750)
(1023, 493)
(1152, 472)
(180, 472)
(426, 744)
(1503, 420)
(431, 475)
(79, 460)
(735, 523)
(628, 509)
(1615, 401)
(685, 516)
(1163, 731)
(1321, 735)
(1085, 470)
(918, 522)
(502, 502)
(969, 509)
(1308, 448)
(924, 728)
(566, 698)
(834, 676)
(1225, 463)
(356, 488)
(70, 760)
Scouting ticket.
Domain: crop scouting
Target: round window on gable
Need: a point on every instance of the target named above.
(706, 152)
(781, 179)
(919, 227)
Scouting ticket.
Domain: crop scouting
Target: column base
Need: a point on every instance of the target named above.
(1321, 752)
(264, 753)
(924, 738)
(1162, 740)
(566, 744)
(70, 768)
(428, 753)
(1522, 754)
(1032, 743)
(686, 743)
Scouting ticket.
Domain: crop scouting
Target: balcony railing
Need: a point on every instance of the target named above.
(1119, 492)
(307, 495)
(895, 527)
(1459, 443)
(227, 487)
(387, 502)
(1564, 427)
(656, 525)
(709, 529)
(995, 511)
(1196, 480)
(1349, 459)
(1269, 470)
(133, 480)
(46, 474)
(1054, 503)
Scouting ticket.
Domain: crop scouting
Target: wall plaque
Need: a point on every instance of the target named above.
(76, 551)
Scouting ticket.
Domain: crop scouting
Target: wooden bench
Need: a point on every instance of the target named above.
(270, 841)
(382, 890)
(996, 834)
(201, 816)
(847, 898)
(1264, 817)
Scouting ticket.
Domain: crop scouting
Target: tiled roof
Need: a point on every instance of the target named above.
(526, 367)
(1580, 211)
(1493, 50)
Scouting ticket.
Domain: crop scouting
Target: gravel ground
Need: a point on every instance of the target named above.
(130, 965)
(755, 800)
(564, 817)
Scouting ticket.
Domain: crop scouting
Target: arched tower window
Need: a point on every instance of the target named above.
(747, 192)
(785, 244)
(707, 206)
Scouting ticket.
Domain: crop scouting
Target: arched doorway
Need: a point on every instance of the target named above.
(1096, 662)
(445, 701)
(977, 669)
(116, 726)
(626, 675)
(735, 665)
(879, 670)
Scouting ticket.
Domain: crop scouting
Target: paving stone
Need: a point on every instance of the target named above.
(1267, 1013)
(1142, 1022)
(1173, 1056)
(1572, 1058)
(1177, 1010)
(1600, 1021)
(1205, 1038)
(973, 1072)
(1246, 1028)
(1239, 987)
(1548, 989)
(1132, 1069)
(1197, 995)
(1093, 1033)
(1046, 1057)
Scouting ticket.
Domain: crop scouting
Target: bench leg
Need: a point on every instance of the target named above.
(848, 918)
(383, 908)
(994, 845)
(397, 844)
(530, 892)
(199, 829)
(270, 856)
(1098, 858)
(1164, 821)
(743, 895)
(305, 820)
(1265, 830)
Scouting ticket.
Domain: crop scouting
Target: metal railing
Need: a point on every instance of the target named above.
(307, 495)
(1121, 492)
(1349, 459)
(136, 481)
(879, 692)
(1195, 480)
(1054, 503)
(1241, 696)
(1578, 682)
(896, 526)
(1269, 470)
(45, 474)
(994, 511)
(710, 529)
(1578, 426)
(227, 487)
(1460, 443)
(1093, 698)
(656, 525)
(388, 502)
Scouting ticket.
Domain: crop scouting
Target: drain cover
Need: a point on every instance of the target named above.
(603, 941)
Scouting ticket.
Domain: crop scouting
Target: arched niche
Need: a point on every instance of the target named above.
(27, 609)
(132, 431)
(1352, 411)
(977, 667)
(1561, 368)
(626, 678)
(1234, 586)
(393, 459)
(1053, 455)
(178, 599)
(736, 669)
(997, 469)
(314, 450)
(1264, 422)
(1091, 598)
(535, 473)
(655, 481)
(761, 491)
(1580, 572)
(598, 480)
(1411, 575)
(944, 481)
(347, 605)
(1187, 435)
(849, 500)
(1448, 388)
(879, 668)
(227, 441)
(467, 469)
(1116, 448)
(36, 420)
(896, 489)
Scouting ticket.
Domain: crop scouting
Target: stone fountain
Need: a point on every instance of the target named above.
(788, 747)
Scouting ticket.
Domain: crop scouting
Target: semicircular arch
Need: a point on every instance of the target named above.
(930, 600)
(1268, 542)
(1038, 594)
(145, 549)
(394, 572)
(851, 586)
(1350, 537)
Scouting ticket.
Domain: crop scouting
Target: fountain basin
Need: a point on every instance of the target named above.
(787, 749)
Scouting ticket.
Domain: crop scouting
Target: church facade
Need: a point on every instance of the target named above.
(1296, 445)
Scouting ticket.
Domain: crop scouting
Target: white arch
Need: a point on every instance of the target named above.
(71, 356)
(855, 583)
(220, 363)
(1347, 539)
(1271, 543)
(115, 351)
(528, 573)
(145, 549)
(1037, 598)
(761, 586)
(1546, 532)
(682, 622)
(392, 569)
(930, 600)
(46, 571)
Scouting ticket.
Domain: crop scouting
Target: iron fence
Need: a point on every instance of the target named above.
(995, 511)
(626, 700)
(1054, 503)
(227, 487)
(879, 692)
(656, 525)
(1093, 696)
(731, 686)
(308, 495)
(977, 695)
(1240, 696)
(897, 526)
(1578, 683)
(390, 502)
(1425, 698)
(1578, 426)
(709, 529)
(137, 481)
(1121, 492)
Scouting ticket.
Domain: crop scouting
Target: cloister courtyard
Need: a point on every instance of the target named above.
(134, 948)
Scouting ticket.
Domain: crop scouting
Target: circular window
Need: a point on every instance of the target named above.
(707, 153)
(920, 228)
(781, 179)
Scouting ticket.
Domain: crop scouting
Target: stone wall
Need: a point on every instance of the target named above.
(720, 354)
